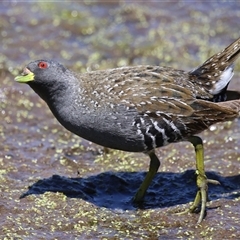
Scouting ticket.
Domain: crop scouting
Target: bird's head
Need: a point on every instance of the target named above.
(42, 72)
(46, 77)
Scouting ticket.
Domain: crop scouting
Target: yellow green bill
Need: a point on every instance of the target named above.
(25, 78)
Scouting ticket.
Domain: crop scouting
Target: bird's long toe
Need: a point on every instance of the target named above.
(201, 197)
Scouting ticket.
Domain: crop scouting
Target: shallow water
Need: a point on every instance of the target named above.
(75, 191)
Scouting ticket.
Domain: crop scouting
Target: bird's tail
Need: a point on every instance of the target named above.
(207, 113)
(233, 105)
(215, 73)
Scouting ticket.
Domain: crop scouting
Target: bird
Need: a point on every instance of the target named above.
(141, 108)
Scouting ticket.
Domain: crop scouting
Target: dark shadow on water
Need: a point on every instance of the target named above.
(115, 189)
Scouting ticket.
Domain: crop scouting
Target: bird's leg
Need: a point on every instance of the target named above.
(153, 168)
(202, 181)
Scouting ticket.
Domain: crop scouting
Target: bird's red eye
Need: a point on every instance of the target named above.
(42, 65)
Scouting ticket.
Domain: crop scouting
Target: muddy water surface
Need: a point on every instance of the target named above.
(55, 185)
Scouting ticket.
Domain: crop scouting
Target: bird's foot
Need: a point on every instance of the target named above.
(201, 196)
(200, 201)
